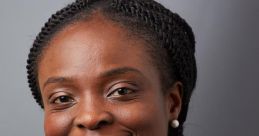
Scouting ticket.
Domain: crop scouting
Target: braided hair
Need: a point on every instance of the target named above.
(171, 41)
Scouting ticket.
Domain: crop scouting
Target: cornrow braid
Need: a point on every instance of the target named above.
(174, 40)
(41, 40)
(175, 35)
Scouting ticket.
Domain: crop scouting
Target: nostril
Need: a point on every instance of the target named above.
(80, 126)
(93, 121)
(97, 126)
(102, 123)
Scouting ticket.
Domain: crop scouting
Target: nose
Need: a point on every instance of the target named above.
(93, 118)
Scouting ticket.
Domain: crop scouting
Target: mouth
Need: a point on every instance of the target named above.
(124, 133)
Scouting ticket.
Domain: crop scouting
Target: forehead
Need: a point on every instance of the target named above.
(93, 45)
(96, 32)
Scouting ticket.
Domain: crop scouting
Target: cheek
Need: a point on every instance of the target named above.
(144, 118)
(56, 124)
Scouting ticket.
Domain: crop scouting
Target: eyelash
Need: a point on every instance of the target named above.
(60, 101)
(67, 98)
(129, 91)
(122, 91)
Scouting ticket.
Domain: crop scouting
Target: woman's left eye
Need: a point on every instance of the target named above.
(121, 92)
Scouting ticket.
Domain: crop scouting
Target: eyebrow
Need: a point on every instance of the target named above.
(120, 71)
(110, 73)
(57, 80)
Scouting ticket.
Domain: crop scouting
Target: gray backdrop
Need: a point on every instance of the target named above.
(225, 102)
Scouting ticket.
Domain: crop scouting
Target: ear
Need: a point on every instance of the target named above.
(174, 100)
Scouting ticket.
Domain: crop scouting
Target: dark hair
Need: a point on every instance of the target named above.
(171, 41)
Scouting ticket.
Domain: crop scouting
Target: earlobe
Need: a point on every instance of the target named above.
(174, 96)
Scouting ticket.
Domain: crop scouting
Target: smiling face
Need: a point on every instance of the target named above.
(96, 81)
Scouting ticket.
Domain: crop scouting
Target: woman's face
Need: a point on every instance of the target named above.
(96, 81)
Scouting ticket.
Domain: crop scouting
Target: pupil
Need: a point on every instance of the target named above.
(122, 91)
(64, 99)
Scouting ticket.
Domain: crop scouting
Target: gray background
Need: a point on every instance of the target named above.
(225, 101)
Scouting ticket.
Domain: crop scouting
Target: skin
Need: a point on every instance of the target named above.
(96, 81)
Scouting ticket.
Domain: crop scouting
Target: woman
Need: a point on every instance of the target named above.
(113, 68)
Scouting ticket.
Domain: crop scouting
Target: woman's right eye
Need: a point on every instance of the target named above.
(63, 99)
